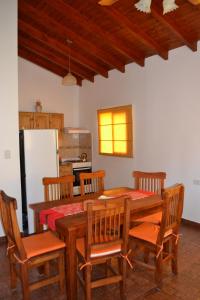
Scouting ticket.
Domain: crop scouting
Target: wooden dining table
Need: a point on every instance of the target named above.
(72, 227)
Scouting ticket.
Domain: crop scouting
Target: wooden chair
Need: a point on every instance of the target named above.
(92, 182)
(150, 182)
(104, 240)
(161, 241)
(57, 188)
(34, 251)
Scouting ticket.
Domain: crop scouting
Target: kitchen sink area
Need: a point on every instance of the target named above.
(73, 145)
(75, 155)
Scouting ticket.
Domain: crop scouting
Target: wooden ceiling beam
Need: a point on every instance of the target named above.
(135, 30)
(112, 40)
(42, 62)
(52, 57)
(170, 24)
(101, 36)
(55, 44)
(43, 17)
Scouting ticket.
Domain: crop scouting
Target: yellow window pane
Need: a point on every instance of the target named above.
(120, 147)
(119, 118)
(119, 132)
(106, 132)
(106, 147)
(115, 131)
(105, 118)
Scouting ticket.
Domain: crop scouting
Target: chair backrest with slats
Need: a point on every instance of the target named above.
(8, 208)
(173, 198)
(57, 188)
(92, 182)
(104, 225)
(151, 182)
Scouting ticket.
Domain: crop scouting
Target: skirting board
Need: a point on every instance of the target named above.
(190, 223)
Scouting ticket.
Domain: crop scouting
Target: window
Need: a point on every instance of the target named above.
(115, 131)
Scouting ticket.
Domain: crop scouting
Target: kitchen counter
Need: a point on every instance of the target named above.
(66, 163)
(65, 168)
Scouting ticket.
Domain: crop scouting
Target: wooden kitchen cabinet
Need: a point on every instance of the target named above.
(65, 169)
(41, 120)
(26, 120)
(56, 121)
(33, 120)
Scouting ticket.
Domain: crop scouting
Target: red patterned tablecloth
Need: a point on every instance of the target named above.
(49, 216)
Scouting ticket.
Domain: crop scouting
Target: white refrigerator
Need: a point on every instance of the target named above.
(38, 158)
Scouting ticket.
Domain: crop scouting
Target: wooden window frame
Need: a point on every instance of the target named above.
(129, 129)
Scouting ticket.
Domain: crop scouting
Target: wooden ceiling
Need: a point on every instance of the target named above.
(103, 38)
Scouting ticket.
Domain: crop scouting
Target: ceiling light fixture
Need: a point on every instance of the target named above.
(145, 6)
(168, 6)
(69, 79)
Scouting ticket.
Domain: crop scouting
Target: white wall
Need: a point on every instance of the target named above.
(166, 100)
(37, 83)
(9, 168)
(119, 89)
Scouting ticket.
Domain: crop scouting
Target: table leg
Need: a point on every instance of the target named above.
(38, 226)
(71, 265)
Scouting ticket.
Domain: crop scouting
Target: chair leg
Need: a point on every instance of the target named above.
(61, 270)
(107, 264)
(166, 247)
(88, 275)
(146, 255)
(174, 262)
(47, 269)
(123, 271)
(13, 276)
(25, 282)
(158, 271)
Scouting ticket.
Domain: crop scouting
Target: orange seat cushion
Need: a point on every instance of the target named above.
(107, 250)
(41, 243)
(147, 232)
(153, 218)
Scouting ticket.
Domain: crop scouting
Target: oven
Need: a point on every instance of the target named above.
(77, 168)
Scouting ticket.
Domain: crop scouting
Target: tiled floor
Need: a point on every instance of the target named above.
(140, 284)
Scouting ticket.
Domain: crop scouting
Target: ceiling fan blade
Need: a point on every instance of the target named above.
(107, 2)
(195, 2)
